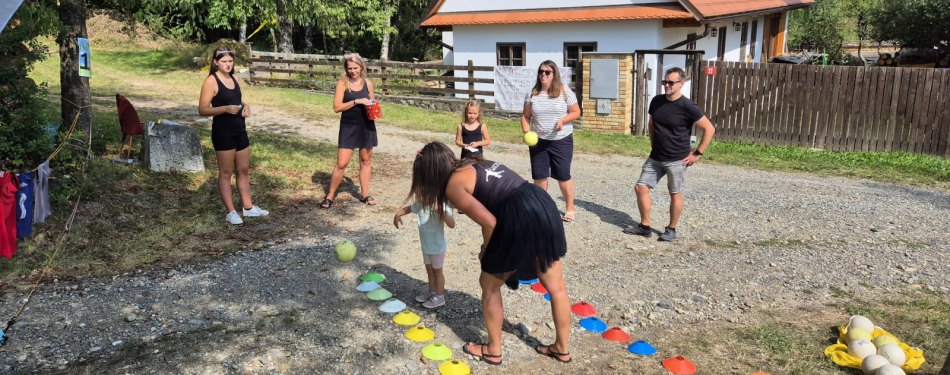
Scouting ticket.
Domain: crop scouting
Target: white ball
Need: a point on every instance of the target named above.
(861, 348)
(890, 370)
(893, 353)
(873, 362)
(858, 321)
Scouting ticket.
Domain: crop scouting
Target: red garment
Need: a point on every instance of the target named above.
(8, 189)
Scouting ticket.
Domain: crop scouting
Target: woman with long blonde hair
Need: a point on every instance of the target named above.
(353, 93)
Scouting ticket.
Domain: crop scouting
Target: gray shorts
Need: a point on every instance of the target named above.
(654, 170)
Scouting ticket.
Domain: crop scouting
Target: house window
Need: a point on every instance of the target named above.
(572, 59)
(722, 44)
(744, 42)
(755, 32)
(690, 59)
(510, 54)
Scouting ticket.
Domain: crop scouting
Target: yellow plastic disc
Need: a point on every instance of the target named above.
(406, 318)
(437, 352)
(454, 367)
(420, 334)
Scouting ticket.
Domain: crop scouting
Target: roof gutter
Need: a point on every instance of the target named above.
(692, 39)
(754, 14)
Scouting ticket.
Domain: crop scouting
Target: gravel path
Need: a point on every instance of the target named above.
(749, 241)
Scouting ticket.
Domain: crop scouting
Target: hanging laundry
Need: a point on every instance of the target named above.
(24, 205)
(41, 208)
(8, 189)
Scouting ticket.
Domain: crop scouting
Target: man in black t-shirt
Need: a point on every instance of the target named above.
(672, 117)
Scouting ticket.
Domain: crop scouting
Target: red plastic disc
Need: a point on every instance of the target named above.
(616, 334)
(537, 287)
(679, 366)
(583, 309)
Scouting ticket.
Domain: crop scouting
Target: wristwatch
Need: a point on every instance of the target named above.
(697, 153)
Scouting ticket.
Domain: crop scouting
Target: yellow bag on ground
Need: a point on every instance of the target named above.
(839, 351)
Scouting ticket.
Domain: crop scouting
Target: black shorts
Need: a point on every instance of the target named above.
(230, 142)
(552, 159)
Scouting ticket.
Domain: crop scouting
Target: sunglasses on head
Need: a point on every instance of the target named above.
(543, 72)
(671, 83)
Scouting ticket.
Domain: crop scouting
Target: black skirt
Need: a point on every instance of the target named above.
(528, 229)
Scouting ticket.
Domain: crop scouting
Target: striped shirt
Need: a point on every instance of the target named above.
(545, 111)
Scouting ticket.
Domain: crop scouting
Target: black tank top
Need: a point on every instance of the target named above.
(493, 183)
(227, 123)
(357, 114)
(469, 136)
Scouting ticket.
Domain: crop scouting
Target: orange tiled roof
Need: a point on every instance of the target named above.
(634, 12)
(720, 8)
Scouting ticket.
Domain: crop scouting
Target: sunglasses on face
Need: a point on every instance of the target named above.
(545, 72)
(671, 83)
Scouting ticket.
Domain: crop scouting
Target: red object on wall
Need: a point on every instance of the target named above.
(710, 70)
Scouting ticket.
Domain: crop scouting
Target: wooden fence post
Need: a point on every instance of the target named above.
(250, 64)
(471, 81)
(382, 70)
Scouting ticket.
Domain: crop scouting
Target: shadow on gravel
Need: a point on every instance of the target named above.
(608, 215)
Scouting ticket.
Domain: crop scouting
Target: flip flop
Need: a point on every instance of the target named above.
(553, 354)
(326, 204)
(484, 357)
(367, 199)
(568, 216)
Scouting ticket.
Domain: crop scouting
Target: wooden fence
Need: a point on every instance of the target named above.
(840, 108)
(389, 76)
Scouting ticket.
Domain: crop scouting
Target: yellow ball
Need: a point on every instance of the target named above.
(531, 138)
(345, 251)
(857, 334)
(884, 340)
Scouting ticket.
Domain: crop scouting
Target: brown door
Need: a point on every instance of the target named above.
(774, 29)
(722, 44)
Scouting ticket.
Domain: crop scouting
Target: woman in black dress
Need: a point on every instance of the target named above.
(353, 92)
(523, 238)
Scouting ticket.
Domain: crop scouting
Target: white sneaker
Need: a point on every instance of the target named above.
(434, 301)
(422, 297)
(234, 218)
(254, 212)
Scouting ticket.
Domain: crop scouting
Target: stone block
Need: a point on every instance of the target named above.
(172, 148)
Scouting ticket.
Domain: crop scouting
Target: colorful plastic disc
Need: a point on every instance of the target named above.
(584, 309)
(379, 294)
(454, 367)
(437, 352)
(373, 276)
(616, 334)
(679, 366)
(537, 287)
(367, 286)
(532, 281)
(642, 348)
(406, 318)
(392, 306)
(420, 334)
(594, 325)
(547, 296)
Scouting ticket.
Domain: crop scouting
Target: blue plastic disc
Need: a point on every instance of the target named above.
(547, 296)
(642, 348)
(593, 324)
(528, 281)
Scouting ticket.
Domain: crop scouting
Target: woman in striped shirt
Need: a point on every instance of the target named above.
(549, 110)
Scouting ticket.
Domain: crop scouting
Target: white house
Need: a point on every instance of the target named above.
(527, 32)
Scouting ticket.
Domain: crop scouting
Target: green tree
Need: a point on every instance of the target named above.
(819, 27)
(23, 114)
(913, 23)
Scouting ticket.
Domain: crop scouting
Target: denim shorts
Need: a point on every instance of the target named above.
(552, 159)
(653, 171)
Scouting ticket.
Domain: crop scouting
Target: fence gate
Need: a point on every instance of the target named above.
(641, 91)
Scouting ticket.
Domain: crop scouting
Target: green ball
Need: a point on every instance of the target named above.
(345, 251)
(531, 138)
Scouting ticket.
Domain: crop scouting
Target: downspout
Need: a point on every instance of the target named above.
(692, 39)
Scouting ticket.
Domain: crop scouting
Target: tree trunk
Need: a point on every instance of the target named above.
(273, 39)
(242, 35)
(326, 50)
(286, 26)
(384, 50)
(308, 36)
(72, 13)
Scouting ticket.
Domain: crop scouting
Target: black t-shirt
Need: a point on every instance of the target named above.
(672, 123)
